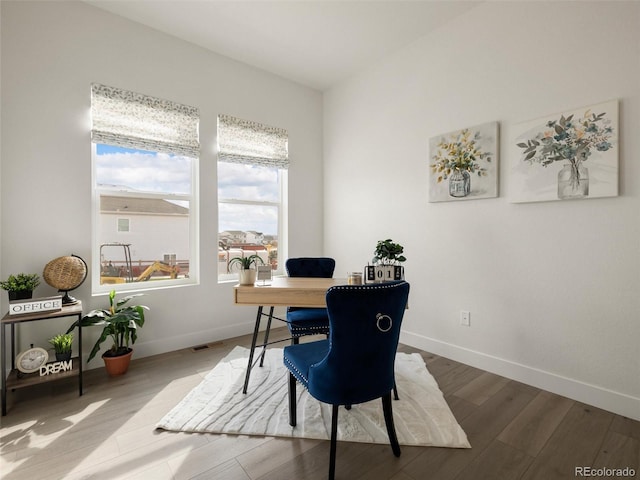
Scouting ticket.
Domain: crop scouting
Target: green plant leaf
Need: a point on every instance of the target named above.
(120, 322)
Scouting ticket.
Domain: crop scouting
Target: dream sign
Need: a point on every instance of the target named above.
(56, 367)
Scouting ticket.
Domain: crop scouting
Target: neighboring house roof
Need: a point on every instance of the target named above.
(140, 205)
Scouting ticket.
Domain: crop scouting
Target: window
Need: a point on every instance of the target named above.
(252, 180)
(123, 225)
(145, 156)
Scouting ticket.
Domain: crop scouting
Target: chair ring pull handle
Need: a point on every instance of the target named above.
(380, 317)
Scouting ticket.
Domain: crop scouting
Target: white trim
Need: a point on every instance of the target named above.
(283, 222)
(191, 339)
(194, 231)
(134, 194)
(249, 202)
(600, 397)
(283, 213)
(94, 264)
(194, 223)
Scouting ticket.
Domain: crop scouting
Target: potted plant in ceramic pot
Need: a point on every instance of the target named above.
(120, 322)
(386, 262)
(246, 274)
(21, 286)
(62, 344)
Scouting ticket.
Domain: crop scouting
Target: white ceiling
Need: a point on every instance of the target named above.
(315, 43)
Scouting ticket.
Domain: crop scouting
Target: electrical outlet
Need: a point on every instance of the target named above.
(465, 318)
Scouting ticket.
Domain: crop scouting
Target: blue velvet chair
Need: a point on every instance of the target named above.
(356, 363)
(308, 321)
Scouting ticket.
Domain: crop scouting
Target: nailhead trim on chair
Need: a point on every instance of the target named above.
(366, 287)
(305, 380)
(294, 328)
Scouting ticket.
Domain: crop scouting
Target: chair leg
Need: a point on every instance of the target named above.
(334, 441)
(388, 420)
(395, 391)
(293, 419)
(295, 340)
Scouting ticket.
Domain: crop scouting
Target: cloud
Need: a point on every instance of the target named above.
(234, 216)
(145, 172)
(246, 182)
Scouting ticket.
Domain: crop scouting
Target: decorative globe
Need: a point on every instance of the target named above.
(65, 273)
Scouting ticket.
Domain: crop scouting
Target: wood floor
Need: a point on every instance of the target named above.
(516, 432)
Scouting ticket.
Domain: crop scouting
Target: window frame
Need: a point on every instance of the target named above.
(282, 208)
(242, 141)
(194, 226)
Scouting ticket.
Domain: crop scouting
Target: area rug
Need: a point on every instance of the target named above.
(217, 405)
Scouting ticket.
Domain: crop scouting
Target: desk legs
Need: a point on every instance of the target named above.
(266, 336)
(254, 341)
(253, 347)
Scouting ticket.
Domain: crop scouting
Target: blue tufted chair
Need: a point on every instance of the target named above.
(308, 321)
(356, 363)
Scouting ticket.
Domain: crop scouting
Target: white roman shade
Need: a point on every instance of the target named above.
(247, 142)
(132, 120)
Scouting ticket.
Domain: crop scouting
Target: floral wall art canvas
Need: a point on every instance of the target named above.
(569, 155)
(463, 165)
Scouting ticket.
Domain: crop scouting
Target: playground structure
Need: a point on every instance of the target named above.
(125, 272)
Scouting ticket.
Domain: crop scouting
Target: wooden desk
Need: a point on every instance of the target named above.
(282, 292)
(287, 292)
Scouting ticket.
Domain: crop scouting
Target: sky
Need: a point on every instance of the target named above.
(143, 171)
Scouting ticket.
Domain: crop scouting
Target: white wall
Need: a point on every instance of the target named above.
(150, 236)
(51, 53)
(553, 288)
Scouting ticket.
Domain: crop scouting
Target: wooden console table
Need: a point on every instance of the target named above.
(14, 380)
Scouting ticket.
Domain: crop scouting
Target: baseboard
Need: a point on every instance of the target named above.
(609, 400)
(146, 349)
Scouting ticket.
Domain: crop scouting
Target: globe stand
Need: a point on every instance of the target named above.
(65, 274)
(68, 299)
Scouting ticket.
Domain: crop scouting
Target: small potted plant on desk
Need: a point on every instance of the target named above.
(387, 260)
(62, 346)
(120, 322)
(246, 274)
(21, 286)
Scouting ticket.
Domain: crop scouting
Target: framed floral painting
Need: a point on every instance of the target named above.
(463, 165)
(568, 155)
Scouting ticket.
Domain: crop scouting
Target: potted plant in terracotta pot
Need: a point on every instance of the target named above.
(62, 344)
(120, 322)
(387, 260)
(246, 274)
(21, 286)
